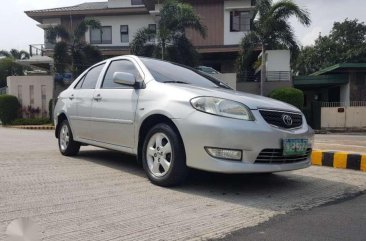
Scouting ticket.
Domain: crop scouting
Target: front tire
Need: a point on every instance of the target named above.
(163, 156)
(66, 143)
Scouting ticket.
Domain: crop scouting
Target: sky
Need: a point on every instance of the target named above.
(19, 31)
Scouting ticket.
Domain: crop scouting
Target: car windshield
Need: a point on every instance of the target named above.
(167, 72)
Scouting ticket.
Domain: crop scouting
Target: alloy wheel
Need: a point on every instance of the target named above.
(159, 154)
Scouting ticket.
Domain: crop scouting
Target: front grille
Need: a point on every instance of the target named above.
(275, 156)
(277, 118)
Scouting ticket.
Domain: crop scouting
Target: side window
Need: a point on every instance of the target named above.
(119, 66)
(80, 83)
(91, 78)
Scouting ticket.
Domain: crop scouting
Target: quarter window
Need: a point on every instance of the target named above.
(119, 66)
(101, 36)
(124, 34)
(91, 77)
(240, 21)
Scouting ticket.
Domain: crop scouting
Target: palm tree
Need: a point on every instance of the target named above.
(170, 41)
(271, 30)
(72, 50)
(15, 54)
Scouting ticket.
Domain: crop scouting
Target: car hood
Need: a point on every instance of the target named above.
(250, 100)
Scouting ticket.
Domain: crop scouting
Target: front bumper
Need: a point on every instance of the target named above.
(200, 130)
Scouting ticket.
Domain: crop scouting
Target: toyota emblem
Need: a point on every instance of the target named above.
(287, 120)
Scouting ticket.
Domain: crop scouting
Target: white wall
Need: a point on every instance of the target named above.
(233, 38)
(278, 60)
(51, 21)
(352, 117)
(121, 4)
(26, 81)
(227, 78)
(345, 94)
(134, 22)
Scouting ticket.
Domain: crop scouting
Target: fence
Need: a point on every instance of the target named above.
(343, 115)
(343, 104)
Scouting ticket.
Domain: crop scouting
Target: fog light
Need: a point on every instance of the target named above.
(227, 154)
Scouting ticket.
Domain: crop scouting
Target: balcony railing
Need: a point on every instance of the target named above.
(272, 76)
(36, 50)
(281, 76)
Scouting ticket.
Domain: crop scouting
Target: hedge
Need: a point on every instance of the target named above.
(31, 122)
(9, 108)
(289, 95)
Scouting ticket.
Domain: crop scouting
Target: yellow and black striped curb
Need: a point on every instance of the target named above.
(342, 160)
(35, 127)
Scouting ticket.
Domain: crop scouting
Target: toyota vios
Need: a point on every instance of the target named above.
(174, 118)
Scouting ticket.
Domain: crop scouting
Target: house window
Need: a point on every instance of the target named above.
(137, 2)
(20, 95)
(31, 95)
(124, 34)
(239, 21)
(101, 36)
(152, 28)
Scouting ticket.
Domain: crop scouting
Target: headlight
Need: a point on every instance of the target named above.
(222, 107)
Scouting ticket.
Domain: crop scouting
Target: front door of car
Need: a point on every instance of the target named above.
(114, 107)
(82, 99)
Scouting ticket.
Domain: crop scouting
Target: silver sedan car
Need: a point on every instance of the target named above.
(174, 118)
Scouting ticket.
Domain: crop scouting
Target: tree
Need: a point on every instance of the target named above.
(271, 30)
(72, 52)
(170, 41)
(8, 65)
(345, 43)
(15, 54)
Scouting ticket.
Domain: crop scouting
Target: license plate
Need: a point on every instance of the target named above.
(292, 147)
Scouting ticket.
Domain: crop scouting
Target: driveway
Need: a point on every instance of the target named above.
(104, 195)
(341, 142)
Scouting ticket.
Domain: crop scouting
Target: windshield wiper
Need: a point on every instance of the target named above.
(175, 82)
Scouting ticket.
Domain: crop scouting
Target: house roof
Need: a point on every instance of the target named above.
(320, 80)
(340, 68)
(79, 7)
(88, 8)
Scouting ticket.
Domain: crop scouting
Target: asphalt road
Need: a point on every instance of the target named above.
(104, 195)
(339, 221)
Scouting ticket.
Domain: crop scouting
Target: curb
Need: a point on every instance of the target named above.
(341, 160)
(35, 127)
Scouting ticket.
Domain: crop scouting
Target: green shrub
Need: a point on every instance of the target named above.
(32, 122)
(289, 95)
(9, 108)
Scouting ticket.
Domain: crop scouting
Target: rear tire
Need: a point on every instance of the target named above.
(66, 143)
(163, 156)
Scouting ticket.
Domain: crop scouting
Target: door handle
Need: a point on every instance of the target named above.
(97, 97)
(71, 97)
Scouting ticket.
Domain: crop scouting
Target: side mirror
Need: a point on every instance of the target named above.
(124, 78)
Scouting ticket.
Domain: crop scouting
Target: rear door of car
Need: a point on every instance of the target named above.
(114, 107)
(82, 99)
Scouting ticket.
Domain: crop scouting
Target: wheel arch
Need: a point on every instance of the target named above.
(150, 122)
(60, 118)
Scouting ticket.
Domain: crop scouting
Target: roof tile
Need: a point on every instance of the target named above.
(79, 7)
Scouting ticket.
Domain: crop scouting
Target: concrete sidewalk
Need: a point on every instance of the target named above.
(351, 143)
